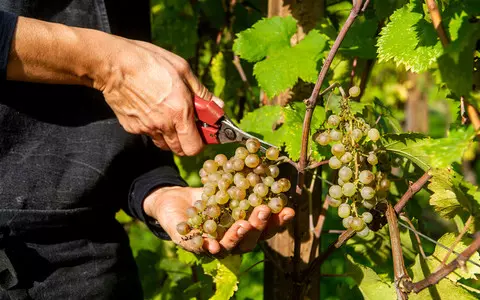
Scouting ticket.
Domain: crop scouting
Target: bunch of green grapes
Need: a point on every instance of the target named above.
(361, 181)
(233, 187)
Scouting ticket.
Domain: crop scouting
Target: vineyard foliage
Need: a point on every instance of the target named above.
(393, 52)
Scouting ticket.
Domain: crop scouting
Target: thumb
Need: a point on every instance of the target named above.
(199, 89)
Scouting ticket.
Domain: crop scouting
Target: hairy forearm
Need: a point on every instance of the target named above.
(54, 53)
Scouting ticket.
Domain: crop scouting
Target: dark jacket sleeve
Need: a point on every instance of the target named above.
(8, 23)
(165, 174)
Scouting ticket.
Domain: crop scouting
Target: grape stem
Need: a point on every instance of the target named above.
(412, 190)
(316, 164)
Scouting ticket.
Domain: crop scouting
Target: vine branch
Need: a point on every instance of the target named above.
(412, 190)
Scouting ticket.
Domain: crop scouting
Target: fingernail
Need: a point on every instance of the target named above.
(241, 231)
(287, 217)
(263, 215)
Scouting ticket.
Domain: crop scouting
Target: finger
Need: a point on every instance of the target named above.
(277, 221)
(197, 87)
(258, 220)
(211, 246)
(187, 132)
(234, 234)
(160, 142)
(196, 194)
(218, 101)
(173, 142)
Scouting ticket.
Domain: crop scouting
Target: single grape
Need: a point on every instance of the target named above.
(200, 205)
(252, 145)
(209, 190)
(335, 191)
(221, 159)
(346, 158)
(384, 184)
(340, 182)
(334, 163)
(366, 177)
(276, 188)
(252, 160)
(221, 197)
(273, 171)
(232, 191)
(237, 177)
(345, 173)
(228, 176)
(213, 211)
(226, 220)
(202, 172)
(234, 203)
(224, 184)
(254, 200)
(196, 220)
(228, 167)
(285, 184)
(381, 194)
(372, 159)
(373, 134)
(336, 135)
(364, 232)
(369, 204)
(366, 128)
(197, 241)
(357, 224)
(357, 134)
(367, 217)
(323, 138)
(183, 228)
(211, 201)
(338, 150)
(209, 226)
(344, 210)
(367, 193)
(204, 180)
(333, 120)
(205, 197)
(238, 214)
(349, 189)
(244, 204)
(191, 211)
(260, 189)
(346, 222)
(241, 152)
(253, 179)
(261, 169)
(275, 204)
(333, 202)
(210, 166)
(268, 181)
(214, 178)
(272, 153)
(243, 184)
(354, 91)
(284, 199)
(238, 164)
(240, 194)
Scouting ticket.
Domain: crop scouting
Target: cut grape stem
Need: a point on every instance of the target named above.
(412, 190)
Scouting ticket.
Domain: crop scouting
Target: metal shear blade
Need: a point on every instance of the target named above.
(229, 133)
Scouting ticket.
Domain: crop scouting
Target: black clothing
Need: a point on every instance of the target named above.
(66, 167)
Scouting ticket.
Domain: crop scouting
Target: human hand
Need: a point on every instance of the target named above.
(151, 92)
(168, 205)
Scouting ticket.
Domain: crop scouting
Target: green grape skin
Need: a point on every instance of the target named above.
(367, 193)
(211, 201)
(226, 220)
(252, 160)
(372, 159)
(253, 179)
(354, 91)
(210, 166)
(234, 203)
(364, 232)
(367, 217)
(221, 159)
(241, 153)
(200, 205)
(273, 171)
(196, 220)
(333, 202)
(224, 184)
(334, 163)
(204, 180)
(228, 176)
(209, 190)
(338, 150)
(346, 222)
(284, 199)
(340, 182)
(346, 158)
(374, 134)
(183, 228)
(344, 210)
(205, 197)
(231, 191)
(357, 134)
(202, 173)
(366, 177)
(240, 194)
(345, 173)
(238, 214)
(357, 224)
(222, 197)
(260, 189)
(333, 120)
(368, 204)
(214, 178)
(213, 211)
(335, 191)
(349, 189)
(276, 188)
(210, 226)
(323, 139)
(254, 200)
(261, 169)
(285, 184)
(252, 145)
(385, 184)
(237, 177)
(228, 167)
(238, 164)
(191, 211)
(244, 205)
(272, 153)
(336, 135)
(275, 204)
(268, 181)
(243, 184)
(197, 242)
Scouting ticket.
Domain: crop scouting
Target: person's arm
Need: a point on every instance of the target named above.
(149, 89)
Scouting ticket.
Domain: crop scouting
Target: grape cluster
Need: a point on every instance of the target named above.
(233, 187)
(360, 181)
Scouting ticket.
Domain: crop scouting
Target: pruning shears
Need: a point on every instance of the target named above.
(215, 126)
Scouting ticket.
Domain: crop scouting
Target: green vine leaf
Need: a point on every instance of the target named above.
(278, 64)
(408, 145)
(409, 40)
(452, 194)
(225, 276)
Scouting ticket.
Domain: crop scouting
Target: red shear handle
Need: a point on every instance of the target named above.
(208, 111)
(208, 134)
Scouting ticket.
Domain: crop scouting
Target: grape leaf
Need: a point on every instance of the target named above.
(408, 145)
(225, 275)
(360, 39)
(369, 283)
(446, 287)
(409, 40)
(261, 123)
(270, 39)
(452, 194)
(187, 257)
